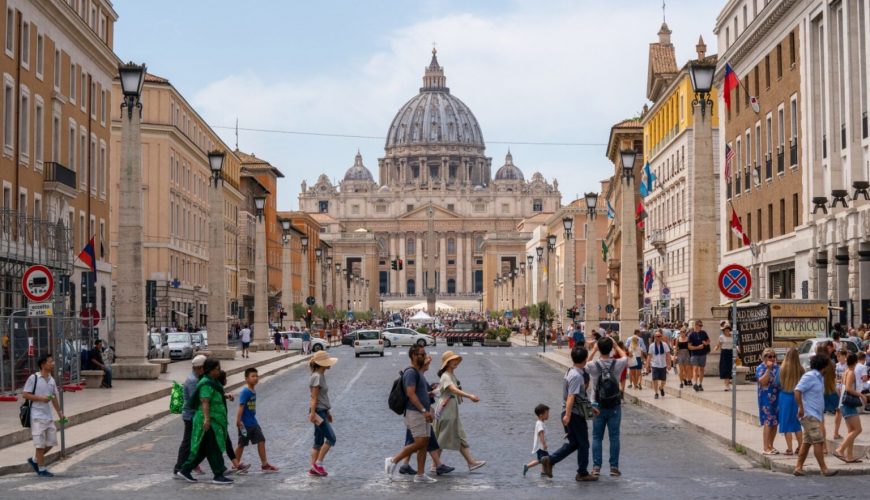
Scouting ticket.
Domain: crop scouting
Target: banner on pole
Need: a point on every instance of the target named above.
(753, 327)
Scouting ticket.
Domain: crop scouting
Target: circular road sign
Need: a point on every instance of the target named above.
(524, 312)
(37, 283)
(310, 300)
(90, 316)
(608, 308)
(735, 281)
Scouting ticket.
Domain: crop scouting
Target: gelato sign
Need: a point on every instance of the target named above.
(753, 326)
(799, 321)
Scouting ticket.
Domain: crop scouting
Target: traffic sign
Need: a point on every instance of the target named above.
(90, 316)
(310, 300)
(735, 281)
(37, 283)
(39, 309)
(608, 309)
(666, 293)
(647, 301)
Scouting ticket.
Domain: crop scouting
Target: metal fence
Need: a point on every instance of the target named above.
(26, 338)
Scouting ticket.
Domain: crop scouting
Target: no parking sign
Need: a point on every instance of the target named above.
(735, 281)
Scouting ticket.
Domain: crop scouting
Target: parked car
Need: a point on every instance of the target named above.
(157, 346)
(348, 338)
(180, 345)
(400, 335)
(317, 343)
(198, 341)
(368, 342)
(808, 348)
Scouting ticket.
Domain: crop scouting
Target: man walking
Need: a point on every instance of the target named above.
(607, 398)
(306, 341)
(699, 347)
(418, 418)
(574, 418)
(189, 387)
(41, 390)
(660, 360)
(809, 395)
(245, 335)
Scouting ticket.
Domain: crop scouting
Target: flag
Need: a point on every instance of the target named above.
(604, 250)
(648, 280)
(753, 101)
(640, 215)
(87, 256)
(731, 83)
(729, 156)
(646, 181)
(611, 213)
(737, 227)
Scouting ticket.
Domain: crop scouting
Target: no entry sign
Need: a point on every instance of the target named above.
(735, 281)
(37, 283)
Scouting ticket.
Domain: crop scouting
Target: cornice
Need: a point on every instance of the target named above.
(743, 45)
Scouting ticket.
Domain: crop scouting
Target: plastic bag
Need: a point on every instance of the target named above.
(176, 399)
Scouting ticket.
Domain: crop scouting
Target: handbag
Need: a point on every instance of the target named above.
(852, 401)
(176, 399)
(24, 409)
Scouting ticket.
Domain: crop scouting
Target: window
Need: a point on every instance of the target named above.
(779, 61)
(323, 206)
(103, 107)
(55, 139)
(770, 220)
(409, 208)
(795, 211)
(782, 216)
(791, 49)
(93, 105)
(749, 223)
(71, 144)
(72, 82)
(84, 89)
(727, 37)
(40, 56)
(102, 170)
(354, 209)
(56, 68)
(82, 239)
(767, 71)
(24, 126)
(38, 131)
(380, 208)
(758, 219)
(537, 205)
(25, 45)
(92, 165)
(83, 151)
(8, 116)
(480, 207)
(10, 31)
(410, 247)
(451, 207)
(780, 117)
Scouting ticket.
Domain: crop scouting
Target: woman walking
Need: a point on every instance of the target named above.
(790, 374)
(683, 358)
(319, 412)
(767, 374)
(209, 434)
(726, 354)
(448, 426)
(636, 363)
(851, 400)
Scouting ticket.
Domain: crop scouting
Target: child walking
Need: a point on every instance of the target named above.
(539, 448)
(246, 421)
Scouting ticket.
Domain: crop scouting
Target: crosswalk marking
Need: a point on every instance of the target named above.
(138, 484)
(62, 483)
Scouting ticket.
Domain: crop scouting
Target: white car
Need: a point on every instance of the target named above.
(368, 342)
(317, 343)
(400, 335)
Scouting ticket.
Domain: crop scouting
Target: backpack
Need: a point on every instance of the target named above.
(398, 398)
(607, 388)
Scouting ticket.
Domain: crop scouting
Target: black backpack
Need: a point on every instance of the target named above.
(398, 399)
(607, 388)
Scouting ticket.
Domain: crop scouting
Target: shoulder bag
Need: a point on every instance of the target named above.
(24, 409)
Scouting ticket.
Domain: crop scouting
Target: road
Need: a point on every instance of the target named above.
(659, 459)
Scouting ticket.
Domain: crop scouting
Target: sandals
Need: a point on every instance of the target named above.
(799, 473)
(789, 452)
(840, 456)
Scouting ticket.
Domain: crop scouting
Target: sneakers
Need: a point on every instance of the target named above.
(316, 468)
(222, 480)
(547, 466)
(695, 386)
(700, 388)
(241, 469)
(657, 396)
(476, 465)
(187, 476)
(198, 470)
(662, 392)
(33, 464)
(389, 467)
(585, 477)
(614, 471)
(444, 469)
(269, 468)
(44, 473)
(407, 470)
(423, 478)
(525, 469)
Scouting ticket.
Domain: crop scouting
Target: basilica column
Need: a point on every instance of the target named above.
(418, 265)
(391, 250)
(460, 263)
(402, 247)
(442, 263)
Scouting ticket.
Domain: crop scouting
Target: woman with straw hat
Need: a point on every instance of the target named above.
(319, 411)
(448, 427)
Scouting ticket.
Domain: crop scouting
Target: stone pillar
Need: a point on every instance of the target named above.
(590, 293)
(418, 266)
(305, 287)
(287, 279)
(130, 327)
(854, 283)
(629, 320)
(261, 287)
(318, 281)
(442, 263)
(217, 295)
(329, 274)
(401, 249)
(391, 251)
(460, 263)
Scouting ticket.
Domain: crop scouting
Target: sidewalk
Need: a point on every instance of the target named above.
(98, 414)
(710, 413)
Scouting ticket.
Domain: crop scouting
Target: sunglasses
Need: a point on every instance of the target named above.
(770, 356)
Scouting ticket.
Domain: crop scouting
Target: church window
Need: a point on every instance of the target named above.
(480, 207)
(354, 209)
(323, 206)
(505, 208)
(451, 246)
(410, 247)
(451, 207)
(380, 208)
(537, 205)
(408, 208)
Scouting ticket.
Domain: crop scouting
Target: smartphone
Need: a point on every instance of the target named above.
(318, 419)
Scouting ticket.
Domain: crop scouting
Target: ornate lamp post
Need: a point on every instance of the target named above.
(306, 279)
(261, 277)
(629, 278)
(330, 283)
(569, 294)
(590, 295)
(339, 288)
(701, 75)
(286, 269)
(131, 326)
(217, 297)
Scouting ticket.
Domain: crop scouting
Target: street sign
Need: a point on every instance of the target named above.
(310, 300)
(39, 309)
(735, 281)
(175, 283)
(666, 293)
(608, 309)
(90, 316)
(37, 283)
(647, 301)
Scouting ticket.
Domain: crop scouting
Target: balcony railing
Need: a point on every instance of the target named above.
(780, 160)
(656, 238)
(768, 167)
(55, 172)
(793, 152)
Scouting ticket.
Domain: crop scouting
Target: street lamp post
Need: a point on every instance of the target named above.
(522, 290)
(286, 269)
(261, 286)
(590, 294)
(530, 260)
(318, 275)
(330, 285)
(306, 279)
(569, 294)
(217, 295)
(628, 272)
(131, 327)
(339, 288)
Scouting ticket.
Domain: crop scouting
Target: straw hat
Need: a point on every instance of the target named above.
(447, 357)
(321, 358)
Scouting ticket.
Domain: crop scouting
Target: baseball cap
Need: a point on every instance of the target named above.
(199, 360)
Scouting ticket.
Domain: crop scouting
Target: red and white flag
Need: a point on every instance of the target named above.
(737, 227)
(729, 156)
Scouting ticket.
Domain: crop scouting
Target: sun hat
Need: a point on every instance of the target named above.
(198, 360)
(321, 358)
(447, 357)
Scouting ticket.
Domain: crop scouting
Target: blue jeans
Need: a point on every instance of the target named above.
(610, 418)
(323, 432)
(578, 440)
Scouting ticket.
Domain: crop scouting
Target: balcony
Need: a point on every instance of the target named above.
(780, 160)
(656, 238)
(768, 167)
(57, 177)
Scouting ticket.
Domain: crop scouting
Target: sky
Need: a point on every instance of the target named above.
(530, 70)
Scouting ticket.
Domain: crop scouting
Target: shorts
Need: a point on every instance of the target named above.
(812, 428)
(541, 454)
(848, 411)
(417, 424)
(433, 441)
(254, 436)
(324, 431)
(245, 345)
(660, 373)
(698, 360)
(44, 433)
(638, 364)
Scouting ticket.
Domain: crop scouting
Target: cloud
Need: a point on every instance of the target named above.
(536, 72)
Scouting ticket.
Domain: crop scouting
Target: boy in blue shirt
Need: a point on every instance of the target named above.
(246, 421)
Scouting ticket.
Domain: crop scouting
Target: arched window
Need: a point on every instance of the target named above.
(412, 287)
(410, 247)
(451, 246)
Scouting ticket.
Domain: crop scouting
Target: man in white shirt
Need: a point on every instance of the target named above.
(41, 390)
(660, 360)
(245, 336)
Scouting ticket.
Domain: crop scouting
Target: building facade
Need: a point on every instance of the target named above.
(433, 204)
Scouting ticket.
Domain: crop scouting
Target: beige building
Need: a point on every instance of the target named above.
(433, 205)
(57, 68)
(176, 180)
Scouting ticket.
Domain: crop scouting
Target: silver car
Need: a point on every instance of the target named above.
(808, 348)
(180, 345)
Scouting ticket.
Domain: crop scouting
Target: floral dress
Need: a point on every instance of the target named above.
(768, 397)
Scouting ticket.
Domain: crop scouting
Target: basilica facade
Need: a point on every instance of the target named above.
(432, 207)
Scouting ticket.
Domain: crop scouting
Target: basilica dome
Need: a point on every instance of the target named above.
(358, 172)
(434, 116)
(509, 171)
